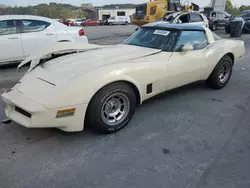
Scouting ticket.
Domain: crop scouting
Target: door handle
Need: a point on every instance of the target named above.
(13, 38)
(49, 34)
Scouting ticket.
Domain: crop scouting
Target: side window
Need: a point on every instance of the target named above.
(196, 38)
(34, 26)
(184, 18)
(8, 27)
(195, 17)
(153, 10)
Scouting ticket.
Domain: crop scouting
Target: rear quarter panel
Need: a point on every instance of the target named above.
(223, 47)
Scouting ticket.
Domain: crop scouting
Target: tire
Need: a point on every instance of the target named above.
(214, 27)
(227, 29)
(113, 99)
(221, 73)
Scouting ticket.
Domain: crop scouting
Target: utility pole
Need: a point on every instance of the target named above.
(49, 11)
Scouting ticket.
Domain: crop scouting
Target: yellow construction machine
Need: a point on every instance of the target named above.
(156, 9)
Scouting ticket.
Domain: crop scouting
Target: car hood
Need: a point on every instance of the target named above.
(54, 73)
(65, 68)
(86, 61)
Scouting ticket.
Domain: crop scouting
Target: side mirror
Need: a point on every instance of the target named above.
(186, 48)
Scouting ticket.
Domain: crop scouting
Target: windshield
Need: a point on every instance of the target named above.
(245, 16)
(153, 38)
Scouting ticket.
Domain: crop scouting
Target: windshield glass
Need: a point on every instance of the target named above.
(153, 38)
(245, 16)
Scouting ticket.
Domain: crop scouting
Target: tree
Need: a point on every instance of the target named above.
(231, 9)
(229, 6)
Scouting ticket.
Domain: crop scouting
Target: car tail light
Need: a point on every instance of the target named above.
(81, 32)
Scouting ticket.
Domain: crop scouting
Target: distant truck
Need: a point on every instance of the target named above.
(155, 10)
(118, 20)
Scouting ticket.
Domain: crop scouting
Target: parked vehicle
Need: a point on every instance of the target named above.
(187, 17)
(100, 86)
(119, 20)
(23, 35)
(79, 22)
(155, 10)
(245, 12)
(216, 19)
(103, 22)
(246, 27)
(91, 22)
(68, 22)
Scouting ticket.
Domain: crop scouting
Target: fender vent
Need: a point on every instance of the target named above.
(149, 88)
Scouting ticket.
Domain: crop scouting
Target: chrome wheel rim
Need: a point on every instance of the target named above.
(224, 72)
(115, 109)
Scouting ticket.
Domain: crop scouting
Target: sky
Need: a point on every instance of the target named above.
(102, 2)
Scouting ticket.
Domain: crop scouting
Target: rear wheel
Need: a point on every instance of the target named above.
(221, 73)
(112, 108)
(214, 27)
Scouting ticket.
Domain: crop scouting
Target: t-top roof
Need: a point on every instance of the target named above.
(166, 25)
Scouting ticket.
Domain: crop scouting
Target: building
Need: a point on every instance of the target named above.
(2, 6)
(218, 5)
(105, 13)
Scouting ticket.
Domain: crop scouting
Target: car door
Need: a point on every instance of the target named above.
(184, 68)
(36, 35)
(196, 19)
(10, 41)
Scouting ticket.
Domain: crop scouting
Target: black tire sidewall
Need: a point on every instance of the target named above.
(94, 113)
(213, 79)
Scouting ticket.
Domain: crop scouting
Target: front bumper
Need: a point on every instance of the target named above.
(32, 114)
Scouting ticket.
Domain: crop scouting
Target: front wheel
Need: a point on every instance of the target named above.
(221, 73)
(112, 108)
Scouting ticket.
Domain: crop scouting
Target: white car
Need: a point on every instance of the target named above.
(22, 35)
(100, 86)
(187, 17)
(78, 22)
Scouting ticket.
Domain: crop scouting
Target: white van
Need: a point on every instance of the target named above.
(119, 20)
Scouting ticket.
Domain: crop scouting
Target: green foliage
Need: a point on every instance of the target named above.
(231, 9)
(244, 7)
(52, 10)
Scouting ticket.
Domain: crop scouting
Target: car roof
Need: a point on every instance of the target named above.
(182, 27)
(8, 17)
